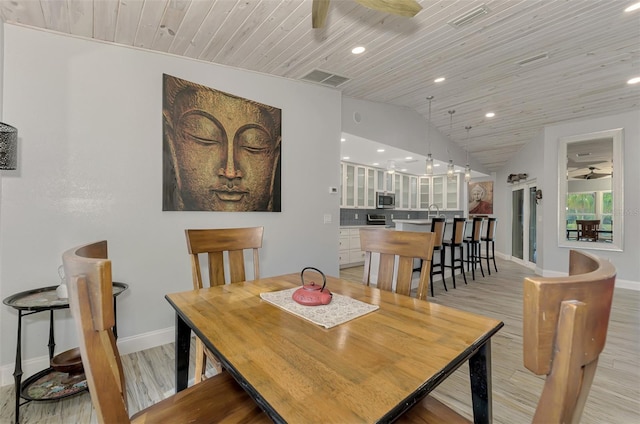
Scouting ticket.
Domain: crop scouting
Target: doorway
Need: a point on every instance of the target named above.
(524, 224)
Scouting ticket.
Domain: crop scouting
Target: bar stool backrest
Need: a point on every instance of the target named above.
(491, 228)
(476, 230)
(457, 235)
(437, 226)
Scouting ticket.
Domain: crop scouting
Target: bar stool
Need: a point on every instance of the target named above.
(473, 247)
(437, 227)
(457, 238)
(490, 239)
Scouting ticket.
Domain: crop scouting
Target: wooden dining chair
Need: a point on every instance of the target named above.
(588, 229)
(403, 247)
(217, 244)
(218, 399)
(565, 322)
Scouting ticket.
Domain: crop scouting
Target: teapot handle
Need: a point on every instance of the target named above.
(324, 278)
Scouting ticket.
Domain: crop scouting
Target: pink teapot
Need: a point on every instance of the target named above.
(312, 294)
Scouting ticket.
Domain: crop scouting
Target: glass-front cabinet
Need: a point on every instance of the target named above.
(453, 193)
(359, 184)
(371, 188)
(437, 190)
(425, 192)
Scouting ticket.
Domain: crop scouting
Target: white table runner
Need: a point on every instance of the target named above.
(340, 310)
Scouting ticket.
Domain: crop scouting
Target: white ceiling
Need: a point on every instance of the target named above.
(592, 49)
(363, 151)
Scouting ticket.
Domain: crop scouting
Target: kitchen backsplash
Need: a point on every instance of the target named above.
(352, 217)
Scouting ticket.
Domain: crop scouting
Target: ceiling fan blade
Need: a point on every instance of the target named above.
(408, 8)
(319, 10)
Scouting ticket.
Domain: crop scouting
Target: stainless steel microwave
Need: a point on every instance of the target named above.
(385, 200)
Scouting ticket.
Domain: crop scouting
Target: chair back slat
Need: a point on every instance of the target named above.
(218, 243)
(91, 303)
(565, 322)
(400, 246)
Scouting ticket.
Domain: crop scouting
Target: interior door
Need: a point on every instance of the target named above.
(524, 224)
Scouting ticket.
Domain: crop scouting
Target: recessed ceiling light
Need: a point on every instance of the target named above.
(380, 150)
(346, 158)
(375, 164)
(634, 80)
(408, 158)
(403, 170)
(490, 114)
(358, 50)
(343, 139)
(633, 7)
(439, 79)
(436, 164)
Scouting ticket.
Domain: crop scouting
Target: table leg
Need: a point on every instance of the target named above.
(182, 345)
(17, 372)
(52, 341)
(480, 375)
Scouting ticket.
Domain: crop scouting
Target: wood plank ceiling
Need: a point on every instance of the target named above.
(590, 48)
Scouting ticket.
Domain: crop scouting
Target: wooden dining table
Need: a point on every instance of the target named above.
(370, 369)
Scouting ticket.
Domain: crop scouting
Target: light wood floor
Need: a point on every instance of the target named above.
(614, 397)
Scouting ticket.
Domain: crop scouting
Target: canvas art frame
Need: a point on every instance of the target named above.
(480, 198)
(221, 152)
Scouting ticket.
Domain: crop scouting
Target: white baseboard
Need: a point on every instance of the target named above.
(620, 283)
(126, 345)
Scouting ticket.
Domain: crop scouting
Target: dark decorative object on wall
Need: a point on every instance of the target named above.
(514, 178)
(220, 152)
(481, 198)
(538, 195)
(8, 146)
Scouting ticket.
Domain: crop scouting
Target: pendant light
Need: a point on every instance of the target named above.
(467, 167)
(450, 166)
(429, 170)
(391, 166)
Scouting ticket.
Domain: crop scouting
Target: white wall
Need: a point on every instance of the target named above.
(90, 168)
(539, 158)
(400, 127)
(529, 160)
(626, 262)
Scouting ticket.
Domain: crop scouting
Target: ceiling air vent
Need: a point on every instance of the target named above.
(469, 17)
(532, 59)
(325, 78)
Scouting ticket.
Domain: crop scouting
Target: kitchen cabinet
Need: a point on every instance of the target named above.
(438, 190)
(452, 197)
(353, 186)
(349, 250)
(371, 188)
(425, 192)
(359, 184)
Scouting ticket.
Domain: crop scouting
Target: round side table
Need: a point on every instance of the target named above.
(47, 384)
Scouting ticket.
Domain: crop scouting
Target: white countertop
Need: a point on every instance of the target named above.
(413, 221)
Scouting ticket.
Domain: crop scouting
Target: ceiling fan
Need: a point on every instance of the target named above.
(408, 8)
(592, 175)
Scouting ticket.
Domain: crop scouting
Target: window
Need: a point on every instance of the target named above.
(580, 206)
(607, 211)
